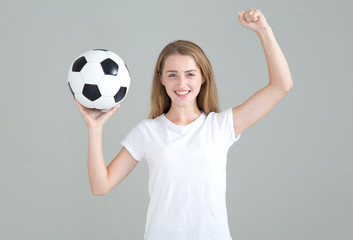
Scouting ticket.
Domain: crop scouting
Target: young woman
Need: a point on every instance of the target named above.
(186, 139)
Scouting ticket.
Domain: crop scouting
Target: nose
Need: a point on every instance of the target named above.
(182, 81)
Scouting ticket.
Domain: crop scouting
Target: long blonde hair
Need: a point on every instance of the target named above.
(207, 99)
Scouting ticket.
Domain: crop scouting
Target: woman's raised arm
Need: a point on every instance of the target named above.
(280, 80)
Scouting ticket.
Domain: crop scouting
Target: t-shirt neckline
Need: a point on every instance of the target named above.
(198, 119)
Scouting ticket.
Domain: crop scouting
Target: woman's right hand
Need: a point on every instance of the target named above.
(95, 118)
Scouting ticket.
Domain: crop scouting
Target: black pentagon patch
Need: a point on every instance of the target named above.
(120, 94)
(91, 92)
(79, 64)
(71, 89)
(110, 67)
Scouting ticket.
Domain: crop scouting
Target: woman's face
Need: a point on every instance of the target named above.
(182, 79)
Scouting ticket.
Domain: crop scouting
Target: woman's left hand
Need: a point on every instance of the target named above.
(253, 19)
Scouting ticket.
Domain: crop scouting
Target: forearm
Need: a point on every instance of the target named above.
(97, 169)
(279, 73)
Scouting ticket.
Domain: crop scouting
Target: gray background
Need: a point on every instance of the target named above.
(289, 177)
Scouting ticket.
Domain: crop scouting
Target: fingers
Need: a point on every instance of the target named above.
(249, 16)
(105, 116)
(241, 17)
(110, 112)
(80, 107)
(252, 15)
(94, 117)
(83, 109)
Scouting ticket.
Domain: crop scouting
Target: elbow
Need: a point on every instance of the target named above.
(99, 192)
(288, 86)
(283, 86)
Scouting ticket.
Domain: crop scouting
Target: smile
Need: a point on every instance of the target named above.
(182, 93)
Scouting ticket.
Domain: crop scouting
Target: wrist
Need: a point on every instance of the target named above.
(94, 131)
(264, 32)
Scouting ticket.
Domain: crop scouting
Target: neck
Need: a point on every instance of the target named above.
(180, 115)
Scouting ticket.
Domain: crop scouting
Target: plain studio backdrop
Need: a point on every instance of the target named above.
(289, 177)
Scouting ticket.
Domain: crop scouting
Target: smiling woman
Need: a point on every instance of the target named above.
(182, 80)
(183, 58)
(186, 140)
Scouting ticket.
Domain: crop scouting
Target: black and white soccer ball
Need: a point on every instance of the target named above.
(99, 79)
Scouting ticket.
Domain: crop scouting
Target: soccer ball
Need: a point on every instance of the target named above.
(99, 79)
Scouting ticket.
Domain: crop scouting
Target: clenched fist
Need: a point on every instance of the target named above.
(253, 19)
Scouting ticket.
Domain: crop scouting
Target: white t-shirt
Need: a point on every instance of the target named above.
(187, 175)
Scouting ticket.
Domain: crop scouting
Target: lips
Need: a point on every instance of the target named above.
(182, 93)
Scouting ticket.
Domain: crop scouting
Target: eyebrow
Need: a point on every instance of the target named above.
(193, 70)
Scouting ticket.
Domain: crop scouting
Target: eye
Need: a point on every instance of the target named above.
(173, 75)
(191, 75)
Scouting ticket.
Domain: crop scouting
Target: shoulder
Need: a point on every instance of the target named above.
(139, 131)
(150, 123)
(222, 122)
(225, 115)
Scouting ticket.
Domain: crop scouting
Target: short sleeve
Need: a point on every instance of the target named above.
(134, 142)
(231, 125)
(224, 120)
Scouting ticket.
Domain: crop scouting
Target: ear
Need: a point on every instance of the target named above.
(203, 80)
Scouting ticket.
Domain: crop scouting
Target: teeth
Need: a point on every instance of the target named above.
(182, 93)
